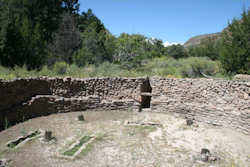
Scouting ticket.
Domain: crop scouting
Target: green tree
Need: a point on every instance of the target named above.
(133, 50)
(66, 41)
(71, 6)
(176, 51)
(93, 49)
(97, 42)
(208, 48)
(26, 29)
(235, 52)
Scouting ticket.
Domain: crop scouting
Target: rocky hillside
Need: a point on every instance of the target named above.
(197, 39)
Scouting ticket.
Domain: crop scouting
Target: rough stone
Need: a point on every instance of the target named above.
(205, 151)
(48, 136)
(220, 102)
(204, 157)
(212, 158)
(242, 77)
(189, 122)
(4, 162)
(81, 118)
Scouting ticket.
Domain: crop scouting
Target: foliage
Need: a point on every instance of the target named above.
(159, 66)
(97, 42)
(67, 40)
(208, 48)
(73, 150)
(176, 51)
(26, 28)
(35, 34)
(60, 68)
(194, 67)
(71, 6)
(235, 52)
(162, 66)
(191, 67)
(132, 49)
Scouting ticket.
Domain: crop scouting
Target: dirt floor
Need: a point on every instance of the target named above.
(124, 139)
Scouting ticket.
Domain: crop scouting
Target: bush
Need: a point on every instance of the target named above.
(176, 51)
(5, 73)
(45, 71)
(194, 67)
(60, 68)
(185, 67)
(163, 66)
(208, 48)
(75, 71)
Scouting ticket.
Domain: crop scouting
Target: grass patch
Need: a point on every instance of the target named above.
(15, 143)
(91, 145)
(140, 130)
(73, 150)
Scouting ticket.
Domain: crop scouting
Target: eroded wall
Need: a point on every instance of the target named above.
(218, 102)
(23, 99)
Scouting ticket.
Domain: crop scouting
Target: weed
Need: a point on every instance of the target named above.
(15, 143)
(90, 146)
(140, 130)
(73, 150)
(12, 145)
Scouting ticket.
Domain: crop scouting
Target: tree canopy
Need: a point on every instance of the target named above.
(235, 51)
(42, 32)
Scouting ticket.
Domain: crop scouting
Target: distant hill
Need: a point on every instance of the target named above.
(197, 39)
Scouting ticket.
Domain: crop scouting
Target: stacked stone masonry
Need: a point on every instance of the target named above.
(218, 102)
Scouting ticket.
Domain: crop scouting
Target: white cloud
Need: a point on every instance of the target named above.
(166, 44)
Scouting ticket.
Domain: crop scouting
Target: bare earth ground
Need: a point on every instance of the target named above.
(172, 143)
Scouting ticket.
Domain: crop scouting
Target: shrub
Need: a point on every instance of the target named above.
(176, 51)
(45, 71)
(196, 66)
(74, 70)
(22, 72)
(161, 67)
(107, 69)
(60, 68)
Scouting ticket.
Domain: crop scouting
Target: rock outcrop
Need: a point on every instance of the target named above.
(197, 40)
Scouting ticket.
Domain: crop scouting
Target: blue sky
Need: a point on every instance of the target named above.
(168, 20)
